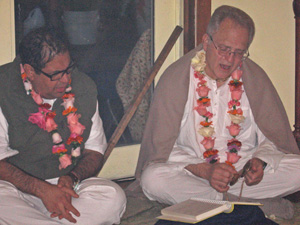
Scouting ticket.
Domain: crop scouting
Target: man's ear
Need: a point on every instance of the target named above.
(205, 41)
(29, 70)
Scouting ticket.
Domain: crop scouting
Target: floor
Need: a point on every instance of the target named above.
(144, 212)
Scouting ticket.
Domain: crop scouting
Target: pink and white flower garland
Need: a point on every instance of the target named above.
(235, 112)
(44, 118)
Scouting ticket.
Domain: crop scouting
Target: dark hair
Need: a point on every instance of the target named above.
(235, 14)
(40, 46)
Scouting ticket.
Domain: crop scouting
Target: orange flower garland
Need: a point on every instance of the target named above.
(235, 113)
(45, 120)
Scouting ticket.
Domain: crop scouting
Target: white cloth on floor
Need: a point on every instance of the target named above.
(100, 202)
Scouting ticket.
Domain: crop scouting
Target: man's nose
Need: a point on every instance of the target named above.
(230, 56)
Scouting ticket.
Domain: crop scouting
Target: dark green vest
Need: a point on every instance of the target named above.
(33, 143)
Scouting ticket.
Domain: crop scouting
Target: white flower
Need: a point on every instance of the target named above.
(198, 62)
(68, 89)
(237, 119)
(56, 138)
(68, 102)
(76, 152)
(206, 131)
(28, 87)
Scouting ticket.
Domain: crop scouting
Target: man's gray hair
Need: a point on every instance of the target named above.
(235, 14)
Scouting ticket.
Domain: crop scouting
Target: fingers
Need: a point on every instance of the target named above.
(64, 212)
(254, 176)
(221, 176)
(71, 192)
(58, 202)
(72, 209)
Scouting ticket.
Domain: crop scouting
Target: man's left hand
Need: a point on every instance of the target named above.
(255, 174)
(65, 183)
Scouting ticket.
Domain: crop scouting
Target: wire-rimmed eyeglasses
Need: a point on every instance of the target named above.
(225, 50)
(58, 74)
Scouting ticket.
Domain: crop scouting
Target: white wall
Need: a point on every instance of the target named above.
(7, 33)
(273, 47)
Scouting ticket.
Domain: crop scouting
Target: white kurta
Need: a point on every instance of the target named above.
(100, 201)
(176, 184)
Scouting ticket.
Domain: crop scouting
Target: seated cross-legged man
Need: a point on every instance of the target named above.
(213, 111)
(52, 141)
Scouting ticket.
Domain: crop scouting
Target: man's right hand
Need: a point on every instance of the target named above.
(57, 200)
(219, 175)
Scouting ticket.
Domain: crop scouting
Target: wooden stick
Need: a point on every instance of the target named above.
(138, 98)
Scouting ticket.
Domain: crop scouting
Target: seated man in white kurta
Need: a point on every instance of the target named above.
(213, 111)
(52, 141)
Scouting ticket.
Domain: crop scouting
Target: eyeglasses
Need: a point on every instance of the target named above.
(58, 74)
(225, 50)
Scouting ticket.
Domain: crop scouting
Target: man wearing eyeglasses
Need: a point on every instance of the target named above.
(213, 111)
(52, 141)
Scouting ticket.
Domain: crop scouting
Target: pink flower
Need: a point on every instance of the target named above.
(73, 118)
(65, 161)
(203, 91)
(50, 124)
(77, 128)
(208, 143)
(236, 94)
(209, 115)
(234, 129)
(201, 109)
(239, 111)
(235, 88)
(213, 159)
(231, 103)
(232, 157)
(57, 149)
(237, 74)
(198, 75)
(73, 135)
(39, 117)
(36, 97)
(201, 82)
(74, 125)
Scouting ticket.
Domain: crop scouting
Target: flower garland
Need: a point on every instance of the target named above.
(44, 118)
(235, 112)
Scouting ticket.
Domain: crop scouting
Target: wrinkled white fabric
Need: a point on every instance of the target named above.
(100, 202)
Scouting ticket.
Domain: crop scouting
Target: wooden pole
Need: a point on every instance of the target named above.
(296, 7)
(137, 100)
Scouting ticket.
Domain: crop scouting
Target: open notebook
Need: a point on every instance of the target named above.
(196, 209)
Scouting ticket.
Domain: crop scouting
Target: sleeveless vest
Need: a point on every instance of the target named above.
(33, 143)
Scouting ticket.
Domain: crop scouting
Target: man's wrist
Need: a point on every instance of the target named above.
(75, 179)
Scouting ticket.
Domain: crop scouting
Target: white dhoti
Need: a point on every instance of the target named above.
(100, 202)
(169, 183)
